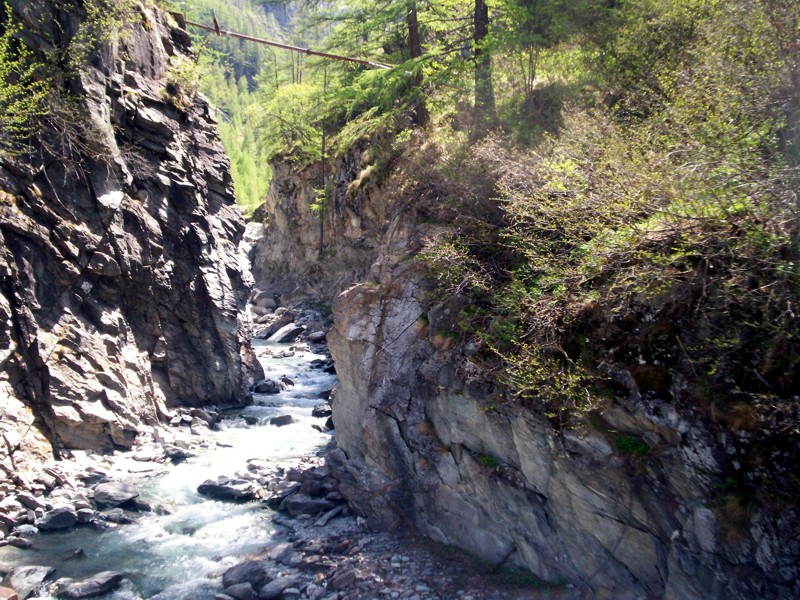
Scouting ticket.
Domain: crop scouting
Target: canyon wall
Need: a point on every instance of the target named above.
(427, 441)
(121, 280)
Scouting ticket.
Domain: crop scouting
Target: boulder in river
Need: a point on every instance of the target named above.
(114, 493)
(26, 579)
(225, 488)
(61, 517)
(322, 411)
(282, 420)
(86, 588)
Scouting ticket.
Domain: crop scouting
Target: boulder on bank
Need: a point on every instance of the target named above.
(286, 334)
(86, 588)
(61, 517)
(225, 488)
(254, 572)
(114, 493)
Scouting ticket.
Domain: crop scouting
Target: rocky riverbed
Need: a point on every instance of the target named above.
(224, 505)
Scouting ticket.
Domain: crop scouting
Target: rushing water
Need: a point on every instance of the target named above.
(174, 556)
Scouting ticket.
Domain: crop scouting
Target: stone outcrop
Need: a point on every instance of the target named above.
(285, 253)
(121, 281)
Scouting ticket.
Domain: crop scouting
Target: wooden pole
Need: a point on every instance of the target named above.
(216, 30)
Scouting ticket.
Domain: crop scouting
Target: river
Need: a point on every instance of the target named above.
(177, 554)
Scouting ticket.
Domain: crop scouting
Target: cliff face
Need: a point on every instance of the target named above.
(630, 502)
(424, 442)
(121, 280)
(285, 249)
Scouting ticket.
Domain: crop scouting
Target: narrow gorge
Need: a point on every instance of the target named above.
(155, 343)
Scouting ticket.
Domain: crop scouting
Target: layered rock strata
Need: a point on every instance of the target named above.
(121, 282)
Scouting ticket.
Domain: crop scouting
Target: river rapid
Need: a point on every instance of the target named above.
(179, 550)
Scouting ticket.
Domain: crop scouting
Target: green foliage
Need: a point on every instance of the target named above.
(630, 445)
(320, 206)
(488, 461)
(23, 93)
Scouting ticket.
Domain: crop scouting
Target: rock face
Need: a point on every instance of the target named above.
(421, 442)
(285, 255)
(121, 281)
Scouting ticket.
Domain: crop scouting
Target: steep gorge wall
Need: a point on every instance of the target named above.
(426, 441)
(121, 281)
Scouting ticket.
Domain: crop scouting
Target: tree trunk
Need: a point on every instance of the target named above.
(421, 115)
(484, 91)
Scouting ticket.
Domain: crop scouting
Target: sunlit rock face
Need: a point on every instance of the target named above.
(121, 280)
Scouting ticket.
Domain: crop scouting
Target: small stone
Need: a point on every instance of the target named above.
(253, 572)
(19, 542)
(31, 501)
(343, 579)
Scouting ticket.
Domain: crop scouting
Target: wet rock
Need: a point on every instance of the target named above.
(62, 517)
(114, 493)
(26, 530)
(275, 588)
(85, 515)
(267, 386)
(86, 588)
(19, 542)
(254, 572)
(116, 515)
(316, 337)
(322, 411)
(286, 381)
(225, 488)
(27, 579)
(282, 490)
(282, 420)
(286, 334)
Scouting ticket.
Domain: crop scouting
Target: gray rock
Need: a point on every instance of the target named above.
(241, 591)
(301, 504)
(343, 579)
(286, 334)
(92, 586)
(27, 579)
(85, 515)
(267, 386)
(25, 530)
(19, 542)
(316, 337)
(322, 411)
(282, 420)
(114, 493)
(275, 588)
(225, 488)
(254, 572)
(30, 500)
(62, 517)
(116, 515)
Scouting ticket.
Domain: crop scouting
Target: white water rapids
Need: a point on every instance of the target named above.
(176, 556)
